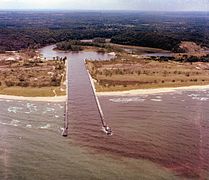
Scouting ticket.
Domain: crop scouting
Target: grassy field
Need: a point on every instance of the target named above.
(128, 72)
(26, 74)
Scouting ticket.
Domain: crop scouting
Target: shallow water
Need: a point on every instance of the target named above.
(31, 147)
(171, 129)
(158, 55)
(161, 136)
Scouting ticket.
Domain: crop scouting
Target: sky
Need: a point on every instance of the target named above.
(141, 5)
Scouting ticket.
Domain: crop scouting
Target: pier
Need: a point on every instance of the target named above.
(65, 129)
(105, 127)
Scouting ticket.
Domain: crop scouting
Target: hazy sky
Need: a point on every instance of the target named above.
(159, 5)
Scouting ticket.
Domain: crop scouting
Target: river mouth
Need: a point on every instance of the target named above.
(166, 133)
(161, 135)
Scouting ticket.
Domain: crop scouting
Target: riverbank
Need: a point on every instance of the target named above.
(152, 91)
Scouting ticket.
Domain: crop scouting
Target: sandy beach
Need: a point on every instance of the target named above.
(152, 91)
(41, 99)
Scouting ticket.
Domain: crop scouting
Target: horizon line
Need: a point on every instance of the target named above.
(97, 10)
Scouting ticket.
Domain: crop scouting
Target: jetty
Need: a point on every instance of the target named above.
(105, 127)
(66, 124)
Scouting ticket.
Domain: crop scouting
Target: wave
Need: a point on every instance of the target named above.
(13, 109)
(157, 100)
(28, 126)
(127, 100)
(47, 126)
(201, 98)
(14, 122)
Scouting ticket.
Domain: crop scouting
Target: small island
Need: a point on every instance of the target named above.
(100, 45)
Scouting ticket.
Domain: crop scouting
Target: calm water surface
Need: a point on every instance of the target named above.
(159, 55)
(161, 136)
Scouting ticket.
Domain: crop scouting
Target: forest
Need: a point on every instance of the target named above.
(34, 29)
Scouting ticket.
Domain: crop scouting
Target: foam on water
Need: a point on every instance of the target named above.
(3, 123)
(60, 106)
(158, 97)
(48, 110)
(8, 100)
(28, 126)
(14, 109)
(201, 98)
(127, 100)
(47, 126)
(194, 95)
(31, 107)
(156, 100)
(31, 115)
(14, 122)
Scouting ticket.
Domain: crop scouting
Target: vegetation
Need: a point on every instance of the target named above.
(20, 30)
(155, 40)
(31, 75)
(69, 46)
(75, 45)
(195, 59)
(138, 72)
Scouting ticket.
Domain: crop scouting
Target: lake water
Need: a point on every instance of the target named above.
(170, 129)
(161, 136)
(158, 55)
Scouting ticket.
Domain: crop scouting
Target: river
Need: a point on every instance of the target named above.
(161, 136)
(159, 54)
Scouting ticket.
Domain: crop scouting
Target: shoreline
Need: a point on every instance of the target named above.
(55, 98)
(152, 91)
(39, 99)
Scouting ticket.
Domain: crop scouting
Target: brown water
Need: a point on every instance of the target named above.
(162, 136)
(170, 129)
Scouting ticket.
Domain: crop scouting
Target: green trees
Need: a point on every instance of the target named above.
(147, 39)
(69, 46)
(20, 30)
